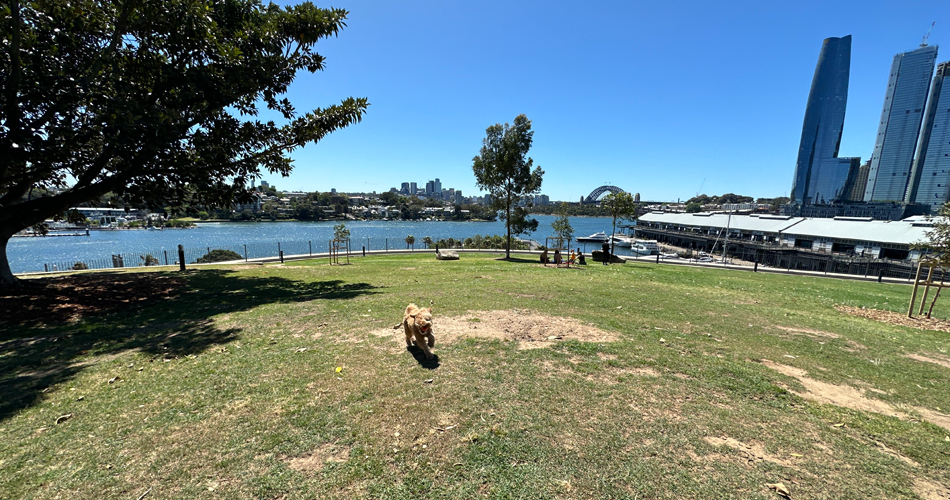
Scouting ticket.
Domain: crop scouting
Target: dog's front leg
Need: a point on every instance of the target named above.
(421, 342)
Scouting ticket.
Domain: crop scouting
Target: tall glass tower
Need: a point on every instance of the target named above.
(819, 174)
(930, 178)
(896, 140)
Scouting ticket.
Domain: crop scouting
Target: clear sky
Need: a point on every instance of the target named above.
(666, 99)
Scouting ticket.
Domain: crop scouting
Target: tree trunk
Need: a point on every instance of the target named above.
(508, 228)
(7, 279)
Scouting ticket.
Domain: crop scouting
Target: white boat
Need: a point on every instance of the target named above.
(622, 240)
(644, 247)
(600, 237)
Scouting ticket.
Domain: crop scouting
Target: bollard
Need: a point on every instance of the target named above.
(880, 275)
(181, 258)
(311, 247)
(245, 253)
(281, 256)
(364, 251)
(657, 258)
(166, 256)
(755, 268)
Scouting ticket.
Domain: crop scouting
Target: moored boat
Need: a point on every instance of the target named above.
(600, 237)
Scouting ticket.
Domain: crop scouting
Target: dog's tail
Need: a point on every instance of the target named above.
(398, 325)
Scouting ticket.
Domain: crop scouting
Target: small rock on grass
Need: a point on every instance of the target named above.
(780, 489)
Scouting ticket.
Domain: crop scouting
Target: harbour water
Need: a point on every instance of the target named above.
(262, 239)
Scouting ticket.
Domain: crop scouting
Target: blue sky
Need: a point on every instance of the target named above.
(665, 99)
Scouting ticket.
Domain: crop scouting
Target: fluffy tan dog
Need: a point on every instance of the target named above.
(418, 325)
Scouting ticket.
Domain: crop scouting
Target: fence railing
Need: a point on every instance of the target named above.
(250, 251)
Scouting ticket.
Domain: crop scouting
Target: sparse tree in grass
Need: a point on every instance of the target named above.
(155, 101)
(503, 168)
(562, 225)
(411, 241)
(619, 206)
(938, 248)
(340, 232)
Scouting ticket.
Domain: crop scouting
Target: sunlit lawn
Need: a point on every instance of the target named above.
(280, 382)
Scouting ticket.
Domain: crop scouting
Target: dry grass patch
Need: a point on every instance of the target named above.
(850, 397)
(929, 490)
(937, 359)
(316, 460)
(530, 329)
(894, 318)
(808, 332)
(750, 454)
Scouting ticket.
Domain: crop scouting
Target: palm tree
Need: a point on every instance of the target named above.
(428, 241)
(411, 240)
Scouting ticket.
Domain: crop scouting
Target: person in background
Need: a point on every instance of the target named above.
(606, 249)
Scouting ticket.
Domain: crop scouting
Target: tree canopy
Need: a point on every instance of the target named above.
(620, 206)
(503, 168)
(155, 101)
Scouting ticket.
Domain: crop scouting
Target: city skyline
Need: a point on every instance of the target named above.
(665, 100)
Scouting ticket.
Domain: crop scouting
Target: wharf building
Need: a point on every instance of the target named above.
(855, 245)
(903, 111)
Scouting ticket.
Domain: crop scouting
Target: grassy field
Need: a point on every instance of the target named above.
(288, 382)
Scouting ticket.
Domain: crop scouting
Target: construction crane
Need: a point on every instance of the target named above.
(923, 43)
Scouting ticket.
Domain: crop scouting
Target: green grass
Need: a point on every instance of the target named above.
(217, 398)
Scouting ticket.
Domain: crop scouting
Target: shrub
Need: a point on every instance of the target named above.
(80, 266)
(150, 260)
(219, 255)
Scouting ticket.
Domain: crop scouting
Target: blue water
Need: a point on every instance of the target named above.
(258, 239)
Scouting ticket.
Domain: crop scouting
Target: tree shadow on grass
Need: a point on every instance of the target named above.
(521, 260)
(47, 328)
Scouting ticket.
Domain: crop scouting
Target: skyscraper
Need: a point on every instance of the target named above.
(820, 175)
(903, 111)
(930, 178)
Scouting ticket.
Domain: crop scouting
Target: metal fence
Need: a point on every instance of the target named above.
(250, 251)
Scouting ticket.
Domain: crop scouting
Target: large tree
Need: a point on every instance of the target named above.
(503, 168)
(155, 101)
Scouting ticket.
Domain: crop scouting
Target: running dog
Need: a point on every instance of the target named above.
(418, 325)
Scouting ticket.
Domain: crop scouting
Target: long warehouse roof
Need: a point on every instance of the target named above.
(904, 232)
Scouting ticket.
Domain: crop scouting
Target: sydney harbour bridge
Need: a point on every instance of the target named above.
(597, 193)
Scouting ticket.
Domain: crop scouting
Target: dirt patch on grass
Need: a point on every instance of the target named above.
(750, 454)
(316, 460)
(808, 332)
(530, 329)
(851, 397)
(929, 490)
(936, 359)
(897, 318)
(840, 395)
